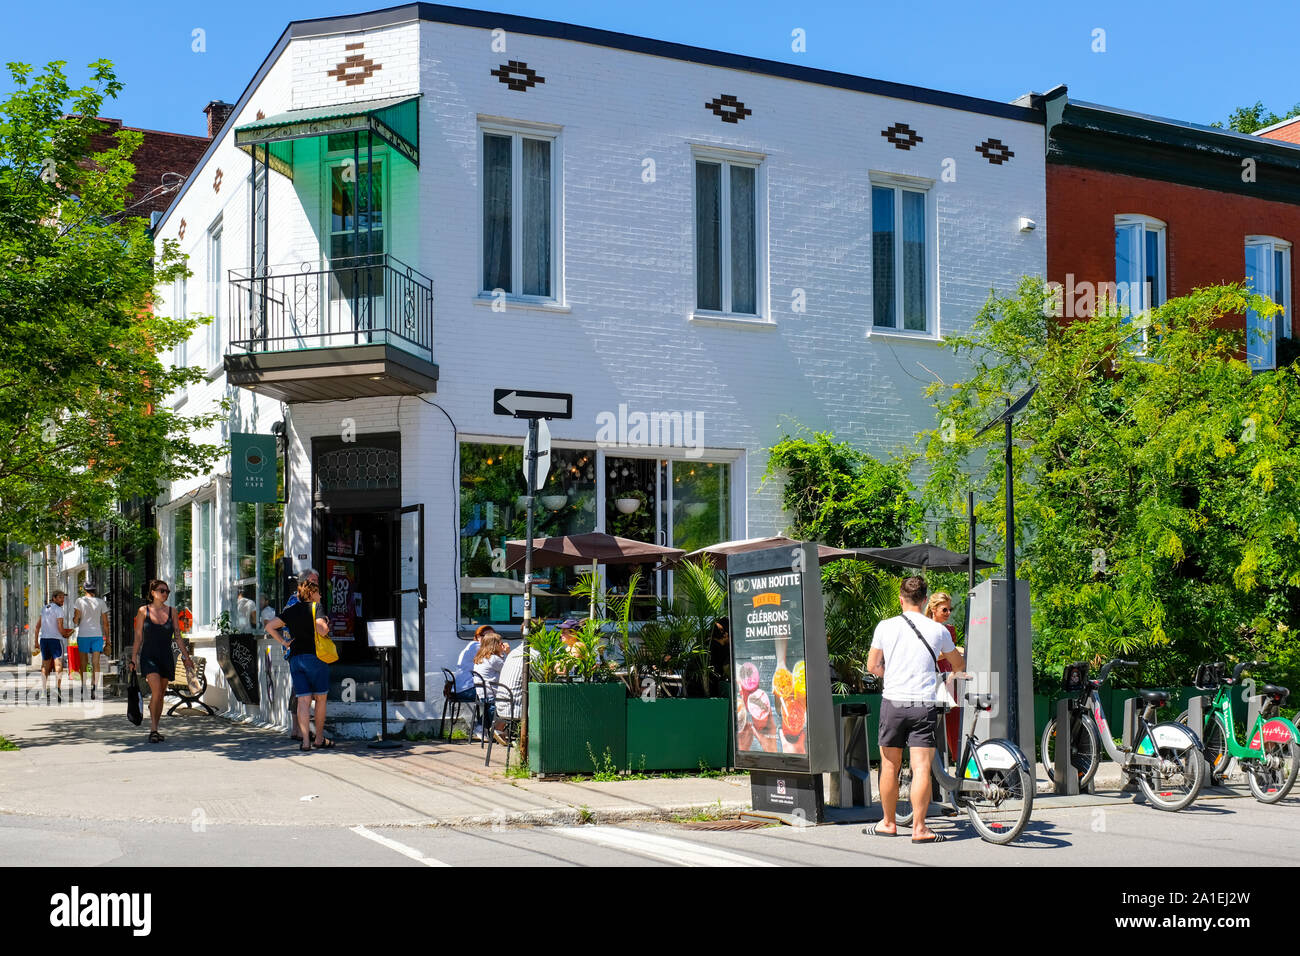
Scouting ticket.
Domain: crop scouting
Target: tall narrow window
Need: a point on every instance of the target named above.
(356, 214)
(216, 331)
(900, 254)
(519, 223)
(726, 237)
(180, 310)
(1139, 264)
(1268, 272)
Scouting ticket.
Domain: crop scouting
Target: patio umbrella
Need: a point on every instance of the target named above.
(929, 557)
(592, 548)
(825, 553)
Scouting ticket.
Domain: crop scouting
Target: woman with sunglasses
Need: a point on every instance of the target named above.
(310, 674)
(939, 609)
(151, 655)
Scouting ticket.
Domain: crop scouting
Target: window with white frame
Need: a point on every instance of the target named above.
(902, 257)
(216, 331)
(727, 234)
(205, 563)
(1139, 264)
(1268, 272)
(180, 310)
(520, 211)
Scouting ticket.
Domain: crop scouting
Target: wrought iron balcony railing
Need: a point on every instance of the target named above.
(363, 300)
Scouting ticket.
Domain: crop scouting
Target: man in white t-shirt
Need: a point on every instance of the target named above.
(905, 651)
(90, 615)
(52, 639)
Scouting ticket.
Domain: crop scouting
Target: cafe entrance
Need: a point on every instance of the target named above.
(369, 552)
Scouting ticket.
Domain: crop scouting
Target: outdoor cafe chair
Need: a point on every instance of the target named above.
(453, 700)
(509, 713)
(484, 693)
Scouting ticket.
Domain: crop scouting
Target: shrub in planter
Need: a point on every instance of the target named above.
(677, 733)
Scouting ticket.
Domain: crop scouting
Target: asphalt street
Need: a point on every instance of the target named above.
(1213, 832)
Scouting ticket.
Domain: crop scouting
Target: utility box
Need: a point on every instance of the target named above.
(987, 659)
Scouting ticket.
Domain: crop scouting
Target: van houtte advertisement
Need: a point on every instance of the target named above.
(771, 703)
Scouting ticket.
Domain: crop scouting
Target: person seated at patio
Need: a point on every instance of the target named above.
(569, 634)
(489, 660)
(464, 691)
(510, 687)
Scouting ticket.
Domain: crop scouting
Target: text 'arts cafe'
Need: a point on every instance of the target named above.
(410, 210)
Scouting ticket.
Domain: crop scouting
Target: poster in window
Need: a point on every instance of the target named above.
(340, 577)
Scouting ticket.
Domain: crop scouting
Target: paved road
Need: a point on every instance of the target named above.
(1222, 832)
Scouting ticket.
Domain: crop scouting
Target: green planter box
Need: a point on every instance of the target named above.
(564, 720)
(677, 734)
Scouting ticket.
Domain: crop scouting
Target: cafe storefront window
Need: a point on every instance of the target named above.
(258, 542)
(182, 559)
(493, 511)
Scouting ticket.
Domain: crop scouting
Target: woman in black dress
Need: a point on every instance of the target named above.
(155, 630)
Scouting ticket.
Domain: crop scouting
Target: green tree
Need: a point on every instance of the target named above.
(1157, 482)
(1248, 119)
(840, 496)
(83, 415)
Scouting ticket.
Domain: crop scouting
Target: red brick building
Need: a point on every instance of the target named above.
(1159, 207)
(163, 161)
(1288, 131)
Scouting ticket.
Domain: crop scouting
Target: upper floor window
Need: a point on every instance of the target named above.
(1139, 264)
(356, 198)
(520, 231)
(1268, 272)
(180, 310)
(727, 261)
(901, 257)
(216, 331)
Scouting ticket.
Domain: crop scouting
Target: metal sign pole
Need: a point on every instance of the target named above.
(1013, 695)
(528, 582)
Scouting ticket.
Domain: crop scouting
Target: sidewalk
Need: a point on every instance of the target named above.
(88, 762)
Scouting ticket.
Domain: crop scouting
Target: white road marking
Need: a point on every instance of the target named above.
(659, 847)
(401, 848)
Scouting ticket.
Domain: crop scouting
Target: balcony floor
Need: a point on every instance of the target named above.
(352, 371)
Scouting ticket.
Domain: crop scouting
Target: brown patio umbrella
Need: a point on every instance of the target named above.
(825, 553)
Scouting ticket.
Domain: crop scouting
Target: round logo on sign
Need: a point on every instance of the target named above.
(254, 461)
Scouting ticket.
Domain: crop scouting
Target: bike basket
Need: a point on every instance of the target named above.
(1075, 677)
(1208, 676)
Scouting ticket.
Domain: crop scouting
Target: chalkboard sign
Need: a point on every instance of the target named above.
(237, 654)
(780, 670)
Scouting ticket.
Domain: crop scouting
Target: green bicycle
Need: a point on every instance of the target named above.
(1271, 759)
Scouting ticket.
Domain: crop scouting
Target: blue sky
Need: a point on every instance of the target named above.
(1194, 61)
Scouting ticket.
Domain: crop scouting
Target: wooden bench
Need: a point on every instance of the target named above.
(179, 686)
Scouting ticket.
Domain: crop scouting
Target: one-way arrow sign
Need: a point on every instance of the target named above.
(521, 404)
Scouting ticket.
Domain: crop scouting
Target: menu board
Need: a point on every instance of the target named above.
(237, 654)
(769, 665)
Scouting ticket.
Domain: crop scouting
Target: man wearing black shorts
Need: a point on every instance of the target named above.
(904, 651)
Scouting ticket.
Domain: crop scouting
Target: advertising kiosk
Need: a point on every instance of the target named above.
(785, 733)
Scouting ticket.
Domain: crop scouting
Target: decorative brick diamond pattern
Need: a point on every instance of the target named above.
(180, 233)
(517, 75)
(995, 151)
(356, 68)
(727, 108)
(261, 115)
(902, 136)
(216, 181)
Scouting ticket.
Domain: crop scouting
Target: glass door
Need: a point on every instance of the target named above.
(407, 681)
(355, 246)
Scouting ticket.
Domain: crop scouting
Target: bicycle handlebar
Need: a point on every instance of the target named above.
(1115, 662)
(1246, 665)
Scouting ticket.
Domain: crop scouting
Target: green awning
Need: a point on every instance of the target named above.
(395, 120)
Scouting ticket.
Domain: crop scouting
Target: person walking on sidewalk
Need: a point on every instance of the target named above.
(90, 617)
(905, 651)
(310, 674)
(52, 640)
(151, 654)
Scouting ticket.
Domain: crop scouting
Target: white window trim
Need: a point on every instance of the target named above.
(721, 317)
(900, 182)
(1274, 245)
(517, 130)
(330, 159)
(1149, 224)
(215, 358)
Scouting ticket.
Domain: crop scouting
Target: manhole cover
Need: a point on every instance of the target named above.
(723, 825)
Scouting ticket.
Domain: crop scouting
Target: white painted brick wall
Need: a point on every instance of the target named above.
(628, 258)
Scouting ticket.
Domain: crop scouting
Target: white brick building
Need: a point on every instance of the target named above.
(643, 224)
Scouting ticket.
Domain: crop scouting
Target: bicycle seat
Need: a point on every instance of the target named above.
(981, 701)
(1157, 697)
(1273, 690)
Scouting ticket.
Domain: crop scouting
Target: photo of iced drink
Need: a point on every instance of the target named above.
(744, 729)
(761, 718)
(749, 679)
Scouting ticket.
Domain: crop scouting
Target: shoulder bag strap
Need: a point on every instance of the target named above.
(926, 643)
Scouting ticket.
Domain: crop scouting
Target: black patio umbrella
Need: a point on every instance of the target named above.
(928, 557)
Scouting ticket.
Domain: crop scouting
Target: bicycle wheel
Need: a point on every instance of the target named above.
(1085, 751)
(1272, 778)
(1002, 810)
(1215, 749)
(1175, 784)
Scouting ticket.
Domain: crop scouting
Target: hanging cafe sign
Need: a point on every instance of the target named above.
(253, 472)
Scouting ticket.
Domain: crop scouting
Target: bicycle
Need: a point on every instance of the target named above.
(1271, 760)
(996, 788)
(1164, 757)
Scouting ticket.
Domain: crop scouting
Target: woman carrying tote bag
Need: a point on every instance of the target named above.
(308, 626)
(151, 655)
